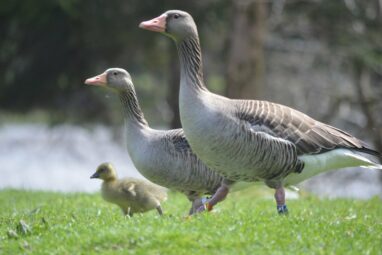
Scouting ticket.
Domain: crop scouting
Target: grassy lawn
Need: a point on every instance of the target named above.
(247, 223)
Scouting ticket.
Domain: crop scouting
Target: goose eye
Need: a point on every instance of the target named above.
(176, 16)
(115, 73)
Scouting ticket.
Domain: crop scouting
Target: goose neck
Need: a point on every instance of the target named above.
(191, 67)
(132, 111)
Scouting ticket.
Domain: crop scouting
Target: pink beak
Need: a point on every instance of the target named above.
(99, 80)
(157, 24)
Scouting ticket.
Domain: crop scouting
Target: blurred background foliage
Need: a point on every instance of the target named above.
(322, 57)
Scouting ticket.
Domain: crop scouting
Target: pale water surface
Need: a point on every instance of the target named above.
(62, 158)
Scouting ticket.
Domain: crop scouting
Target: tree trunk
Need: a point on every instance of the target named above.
(246, 64)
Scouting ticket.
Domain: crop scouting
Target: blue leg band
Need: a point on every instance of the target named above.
(282, 209)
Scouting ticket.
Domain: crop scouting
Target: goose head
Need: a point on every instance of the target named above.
(114, 78)
(105, 172)
(176, 24)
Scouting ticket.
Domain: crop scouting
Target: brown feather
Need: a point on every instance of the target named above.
(308, 135)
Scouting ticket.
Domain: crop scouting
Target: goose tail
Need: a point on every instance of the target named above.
(375, 167)
(366, 149)
(365, 162)
(329, 161)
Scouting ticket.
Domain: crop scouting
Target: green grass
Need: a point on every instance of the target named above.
(246, 223)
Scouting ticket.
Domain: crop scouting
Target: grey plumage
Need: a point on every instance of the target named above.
(162, 156)
(247, 139)
(308, 135)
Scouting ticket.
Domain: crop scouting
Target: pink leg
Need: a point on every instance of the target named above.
(280, 201)
(195, 205)
(280, 196)
(220, 194)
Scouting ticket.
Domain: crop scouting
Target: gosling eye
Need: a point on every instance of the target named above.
(176, 15)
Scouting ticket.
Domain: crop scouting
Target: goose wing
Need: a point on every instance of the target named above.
(308, 135)
(177, 139)
(194, 170)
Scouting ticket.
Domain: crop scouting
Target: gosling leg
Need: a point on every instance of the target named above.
(159, 209)
(127, 212)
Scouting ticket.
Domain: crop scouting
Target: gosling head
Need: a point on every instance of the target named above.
(174, 23)
(115, 78)
(105, 172)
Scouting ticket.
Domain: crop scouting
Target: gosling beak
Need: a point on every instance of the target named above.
(95, 175)
(157, 24)
(99, 80)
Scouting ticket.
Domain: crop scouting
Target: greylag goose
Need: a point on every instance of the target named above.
(130, 194)
(252, 140)
(162, 156)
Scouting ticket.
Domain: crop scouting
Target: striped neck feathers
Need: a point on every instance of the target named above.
(131, 108)
(190, 58)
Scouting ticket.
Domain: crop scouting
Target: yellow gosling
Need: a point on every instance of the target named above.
(130, 194)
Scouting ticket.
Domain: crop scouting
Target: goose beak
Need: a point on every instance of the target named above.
(95, 175)
(157, 24)
(99, 80)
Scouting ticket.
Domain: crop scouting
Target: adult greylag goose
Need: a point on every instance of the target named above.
(252, 140)
(130, 194)
(162, 156)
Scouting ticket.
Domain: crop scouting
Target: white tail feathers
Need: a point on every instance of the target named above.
(366, 163)
(293, 188)
(332, 160)
(376, 167)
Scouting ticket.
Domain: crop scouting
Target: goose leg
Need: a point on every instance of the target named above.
(280, 201)
(196, 204)
(220, 194)
(195, 200)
